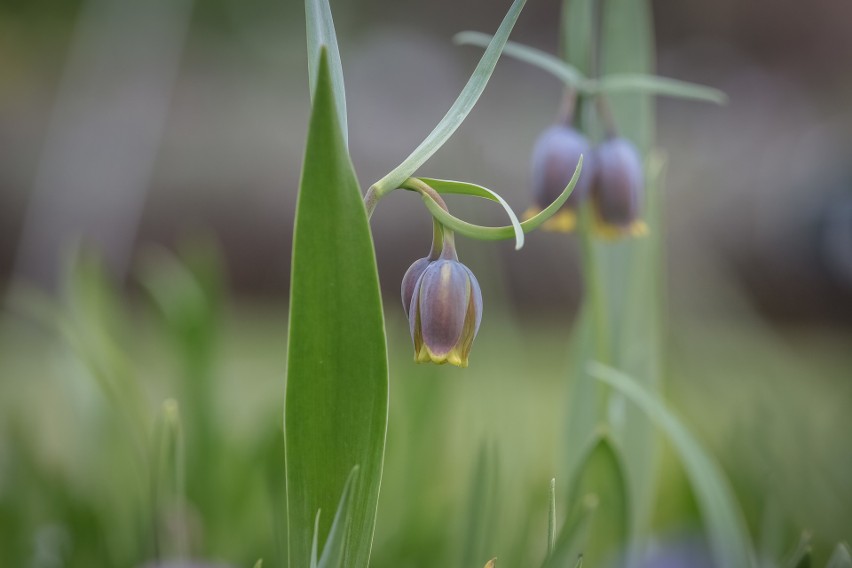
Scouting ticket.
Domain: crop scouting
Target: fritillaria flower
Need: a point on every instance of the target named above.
(444, 309)
(617, 189)
(554, 158)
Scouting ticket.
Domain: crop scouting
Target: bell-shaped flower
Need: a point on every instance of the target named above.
(617, 189)
(444, 312)
(554, 158)
(409, 281)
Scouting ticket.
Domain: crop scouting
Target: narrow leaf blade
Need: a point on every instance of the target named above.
(563, 71)
(655, 85)
(465, 188)
(723, 520)
(336, 399)
(840, 558)
(335, 545)
(602, 478)
(320, 32)
(506, 232)
(460, 108)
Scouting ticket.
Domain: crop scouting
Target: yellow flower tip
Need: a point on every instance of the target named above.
(610, 232)
(425, 355)
(639, 229)
(564, 221)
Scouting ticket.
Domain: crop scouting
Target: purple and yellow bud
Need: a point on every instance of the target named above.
(554, 158)
(444, 312)
(617, 189)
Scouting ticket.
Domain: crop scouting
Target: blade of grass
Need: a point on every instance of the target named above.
(460, 108)
(336, 400)
(723, 520)
(320, 32)
(840, 558)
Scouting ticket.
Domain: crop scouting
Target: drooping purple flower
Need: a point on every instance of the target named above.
(618, 188)
(444, 312)
(554, 159)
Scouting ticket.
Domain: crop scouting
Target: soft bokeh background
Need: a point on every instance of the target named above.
(131, 124)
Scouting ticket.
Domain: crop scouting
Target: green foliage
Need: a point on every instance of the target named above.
(460, 108)
(498, 233)
(724, 522)
(599, 497)
(614, 83)
(337, 380)
(840, 558)
(465, 188)
(321, 35)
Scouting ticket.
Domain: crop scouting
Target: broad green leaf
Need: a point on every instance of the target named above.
(567, 73)
(335, 545)
(320, 32)
(464, 188)
(505, 232)
(601, 477)
(460, 108)
(840, 558)
(336, 401)
(726, 529)
(653, 85)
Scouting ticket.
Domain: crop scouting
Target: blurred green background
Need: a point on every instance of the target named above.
(139, 128)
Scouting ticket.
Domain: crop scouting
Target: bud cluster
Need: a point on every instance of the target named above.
(612, 179)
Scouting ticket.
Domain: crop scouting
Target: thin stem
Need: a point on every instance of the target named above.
(371, 199)
(437, 240)
(607, 116)
(566, 109)
(595, 300)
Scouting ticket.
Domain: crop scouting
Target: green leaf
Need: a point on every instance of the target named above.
(460, 108)
(840, 558)
(723, 520)
(259, 563)
(653, 85)
(505, 232)
(601, 477)
(574, 533)
(464, 188)
(801, 557)
(320, 32)
(168, 483)
(551, 517)
(615, 83)
(482, 506)
(563, 71)
(336, 401)
(335, 546)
